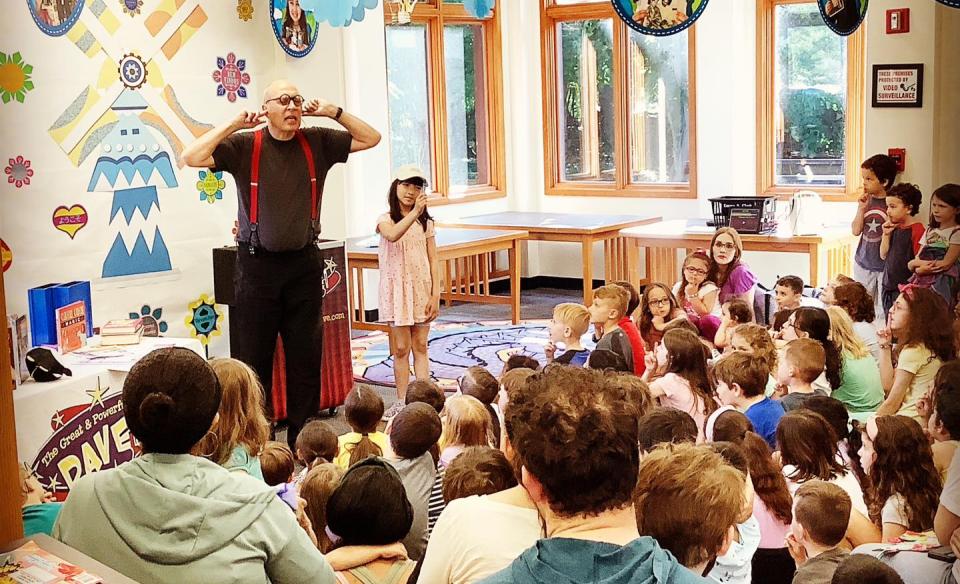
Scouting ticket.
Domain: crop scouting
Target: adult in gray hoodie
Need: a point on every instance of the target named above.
(576, 438)
(170, 517)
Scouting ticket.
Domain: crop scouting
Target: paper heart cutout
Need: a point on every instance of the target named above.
(71, 220)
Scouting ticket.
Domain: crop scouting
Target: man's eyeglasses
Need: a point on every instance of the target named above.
(726, 246)
(694, 270)
(285, 100)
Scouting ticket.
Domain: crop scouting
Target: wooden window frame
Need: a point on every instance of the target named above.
(434, 14)
(552, 14)
(854, 123)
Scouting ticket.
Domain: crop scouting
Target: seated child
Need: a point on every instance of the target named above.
(363, 409)
(316, 488)
(479, 383)
(479, 470)
(316, 443)
(276, 463)
(900, 243)
(789, 293)
(629, 327)
(426, 391)
(517, 361)
(370, 508)
(780, 318)
(754, 339)
(863, 569)
(802, 363)
(241, 428)
(741, 379)
(736, 566)
(735, 313)
(698, 296)
(681, 363)
(665, 426)
(570, 321)
(604, 359)
(821, 512)
(659, 307)
(413, 432)
(39, 509)
(608, 308)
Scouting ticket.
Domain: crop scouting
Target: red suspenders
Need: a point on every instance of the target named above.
(255, 178)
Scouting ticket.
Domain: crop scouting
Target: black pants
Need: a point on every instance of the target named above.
(773, 566)
(279, 293)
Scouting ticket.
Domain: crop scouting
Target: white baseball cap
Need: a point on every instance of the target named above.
(408, 171)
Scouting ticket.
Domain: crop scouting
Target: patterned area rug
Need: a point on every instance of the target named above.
(454, 347)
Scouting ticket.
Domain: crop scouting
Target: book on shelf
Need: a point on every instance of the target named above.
(123, 326)
(19, 345)
(71, 327)
(31, 563)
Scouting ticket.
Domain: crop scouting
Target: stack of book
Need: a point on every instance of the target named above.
(122, 332)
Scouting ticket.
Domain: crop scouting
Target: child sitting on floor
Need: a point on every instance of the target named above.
(658, 308)
(426, 391)
(570, 321)
(741, 379)
(735, 313)
(39, 508)
(316, 443)
(363, 409)
(821, 512)
(479, 470)
(276, 463)
(802, 363)
(316, 489)
(698, 296)
(479, 383)
(608, 308)
(240, 429)
(682, 363)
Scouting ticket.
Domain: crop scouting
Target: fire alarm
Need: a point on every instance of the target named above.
(900, 156)
(898, 20)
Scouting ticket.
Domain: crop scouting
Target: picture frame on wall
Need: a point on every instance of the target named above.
(898, 85)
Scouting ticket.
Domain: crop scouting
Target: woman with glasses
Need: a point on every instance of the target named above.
(731, 275)
(698, 296)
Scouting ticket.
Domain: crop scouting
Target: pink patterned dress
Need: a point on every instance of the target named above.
(405, 279)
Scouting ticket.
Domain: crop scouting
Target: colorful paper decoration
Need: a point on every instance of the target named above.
(245, 10)
(14, 77)
(950, 3)
(211, 185)
(70, 220)
(203, 319)
(132, 70)
(659, 17)
(843, 16)
(231, 77)
(153, 326)
(6, 256)
(294, 23)
(18, 172)
(131, 7)
(55, 17)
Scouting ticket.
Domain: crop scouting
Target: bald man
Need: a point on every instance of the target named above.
(279, 170)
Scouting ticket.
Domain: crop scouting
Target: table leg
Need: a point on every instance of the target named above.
(814, 254)
(514, 254)
(587, 253)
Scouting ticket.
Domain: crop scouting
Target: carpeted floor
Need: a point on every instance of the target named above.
(534, 305)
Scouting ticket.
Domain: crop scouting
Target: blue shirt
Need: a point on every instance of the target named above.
(575, 358)
(868, 250)
(765, 416)
(40, 518)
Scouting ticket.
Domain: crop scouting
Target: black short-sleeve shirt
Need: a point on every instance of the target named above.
(284, 216)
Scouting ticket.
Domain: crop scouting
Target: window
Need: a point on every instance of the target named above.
(810, 94)
(445, 102)
(618, 105)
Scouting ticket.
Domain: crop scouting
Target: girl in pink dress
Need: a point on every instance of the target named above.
(409, 275)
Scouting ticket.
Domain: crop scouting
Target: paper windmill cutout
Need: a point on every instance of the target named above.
(231, 77)
(339, 12)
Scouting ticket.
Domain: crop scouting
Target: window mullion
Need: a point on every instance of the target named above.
(439, 92)
(621, 104)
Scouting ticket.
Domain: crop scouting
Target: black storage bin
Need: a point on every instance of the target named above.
(765, 205)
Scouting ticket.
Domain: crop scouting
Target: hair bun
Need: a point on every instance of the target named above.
(156, 410)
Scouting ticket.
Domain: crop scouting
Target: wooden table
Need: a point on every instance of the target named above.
(620, 260)
(72, 556)
(830, 253)
(466, 266)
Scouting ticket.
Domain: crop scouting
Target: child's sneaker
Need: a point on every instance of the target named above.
(393, 410)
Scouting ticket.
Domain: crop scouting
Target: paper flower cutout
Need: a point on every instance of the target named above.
(148, 315)
(14, 77)
(231, 77)
(131, 7)
(211, 185)
(245, 9)
(18, 172)
(203, 319)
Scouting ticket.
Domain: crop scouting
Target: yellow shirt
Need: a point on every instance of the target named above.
(923, 364)
(350, 439)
